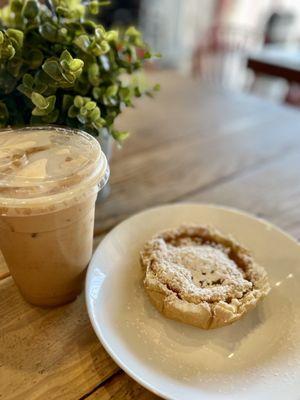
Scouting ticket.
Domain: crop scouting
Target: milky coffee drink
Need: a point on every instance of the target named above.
(49, 179)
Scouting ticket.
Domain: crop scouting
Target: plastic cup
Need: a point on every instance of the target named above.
(49, 180)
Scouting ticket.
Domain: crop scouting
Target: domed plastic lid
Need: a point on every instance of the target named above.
(48, 165)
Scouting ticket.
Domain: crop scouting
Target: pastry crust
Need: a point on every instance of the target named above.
(199, 276)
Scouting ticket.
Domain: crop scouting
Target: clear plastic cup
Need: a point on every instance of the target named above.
(49, 180)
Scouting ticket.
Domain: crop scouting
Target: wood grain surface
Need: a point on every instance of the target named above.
(3, 268)
(192, 143)
(121, 386)
(197, 140)
(48, 353)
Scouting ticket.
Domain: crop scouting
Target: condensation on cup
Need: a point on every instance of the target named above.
(49, 180)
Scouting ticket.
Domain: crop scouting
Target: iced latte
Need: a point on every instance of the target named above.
(49, 180)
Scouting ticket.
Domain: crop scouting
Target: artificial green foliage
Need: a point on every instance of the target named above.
(58, 66)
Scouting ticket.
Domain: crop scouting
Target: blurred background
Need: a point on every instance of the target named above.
(240, 44)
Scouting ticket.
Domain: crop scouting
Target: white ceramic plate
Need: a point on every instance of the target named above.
(257, 357)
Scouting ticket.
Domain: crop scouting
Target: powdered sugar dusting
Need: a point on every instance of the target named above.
(200, 272)
(207, 265)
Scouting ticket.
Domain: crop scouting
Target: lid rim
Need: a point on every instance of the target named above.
(39, 206)
(94, 165)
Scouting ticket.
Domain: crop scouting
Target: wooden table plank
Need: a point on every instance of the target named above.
(174, 170)
(186, 107)
(66, 354)
(270, 191)
(97, 240)
(200, 146)
(121, 386)
(267, 191)
(48, 353)
(3, 268)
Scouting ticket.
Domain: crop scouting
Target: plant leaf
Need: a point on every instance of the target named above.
(120, 136)
(3, 114)
(59, 65)
(39, 100)
(67, 102)
(53, 69)
(76, 65)
(30, 9)
(16, 36)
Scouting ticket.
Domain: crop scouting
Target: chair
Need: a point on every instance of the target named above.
(220, 57)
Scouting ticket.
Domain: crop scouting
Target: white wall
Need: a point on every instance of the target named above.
(253, 14)
(173, 27)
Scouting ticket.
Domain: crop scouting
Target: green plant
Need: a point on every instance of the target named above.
(58, 66)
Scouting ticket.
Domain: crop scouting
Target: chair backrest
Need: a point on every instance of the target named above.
(220, 57)
(277, 27)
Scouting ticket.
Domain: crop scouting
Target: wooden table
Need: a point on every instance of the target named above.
(191, 144)
(277, 61)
